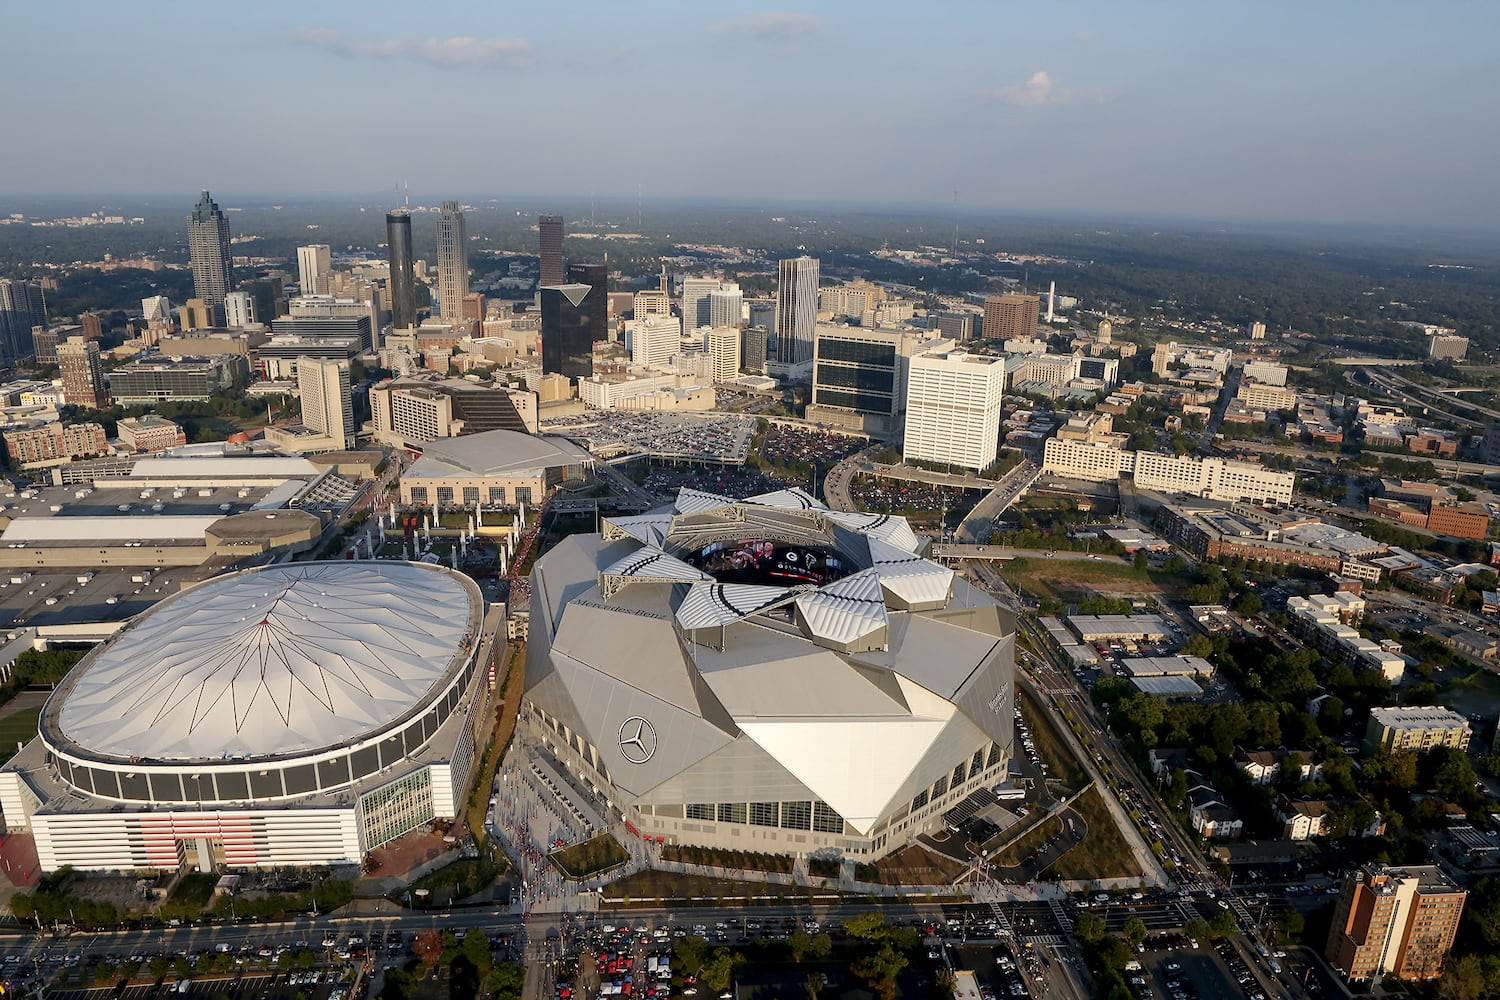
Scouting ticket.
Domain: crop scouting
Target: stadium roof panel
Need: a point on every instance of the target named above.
(270, 662)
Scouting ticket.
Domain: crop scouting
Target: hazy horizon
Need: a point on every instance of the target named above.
(1367, 114)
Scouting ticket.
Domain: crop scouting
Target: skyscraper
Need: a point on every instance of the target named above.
(1011, 316)
(567, 329)
(550, 228)
(724, 352)
(696, 310)
(21, 308)
(82, 373)
(726, 306)
(796, 310)
(452, 261)
(596, 276)
(208, 249)
(327, 405)
(403, 273)
(314, 265)
(953, 409)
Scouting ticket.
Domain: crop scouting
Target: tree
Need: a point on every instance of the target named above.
(428, 946)
(947, 981)
(1453, 775)
(1135, 931)
(814, 984)
(1463, 978)
(1248, 605)
(691, 952)
(1222, 925)
(1088, 928)
(718, 971)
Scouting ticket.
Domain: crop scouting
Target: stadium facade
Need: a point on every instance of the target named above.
(768, 675)
(288, 715)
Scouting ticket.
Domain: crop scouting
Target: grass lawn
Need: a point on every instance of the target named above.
(1103, 852)
(590, 857)
(1028, 844)
(1075, 579)
(17, 728)
(1061, 764)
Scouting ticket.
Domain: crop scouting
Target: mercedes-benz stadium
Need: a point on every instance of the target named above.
(288, 715)
(768, 675)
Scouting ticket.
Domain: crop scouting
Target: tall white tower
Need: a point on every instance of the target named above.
(314, 266)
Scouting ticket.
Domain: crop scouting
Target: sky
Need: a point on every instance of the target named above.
(1341, 111)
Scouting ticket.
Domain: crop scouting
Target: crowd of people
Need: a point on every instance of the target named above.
(663, 481)
(892, 496)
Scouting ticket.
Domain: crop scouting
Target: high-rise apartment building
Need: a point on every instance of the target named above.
(327, 406)
(726, 306)
(93, 326)
(550, 232)
(314, 266)
(1394, 921)
(82, 373)
(1011, 316)
(403, 271)
(239, 310)
(796, 310)
(724, 353)
(208, 250)
(21, 308)
(452, 260)
(953, 409)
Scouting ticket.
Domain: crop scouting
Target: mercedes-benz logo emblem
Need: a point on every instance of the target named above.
(637, 740)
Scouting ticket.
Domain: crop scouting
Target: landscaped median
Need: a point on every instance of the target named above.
(590, 857)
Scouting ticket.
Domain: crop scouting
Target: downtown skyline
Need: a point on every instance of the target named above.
(1362, 114)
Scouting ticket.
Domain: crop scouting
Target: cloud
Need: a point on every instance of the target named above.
(775, 26)
(456, 52)
(1038, 89)
(464, 51)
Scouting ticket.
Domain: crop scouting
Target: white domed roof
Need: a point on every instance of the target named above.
(272, 661)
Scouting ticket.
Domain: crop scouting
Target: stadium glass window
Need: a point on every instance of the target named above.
(940, 787)
(471, 495)
(419, 494)
(732, 812)
(445, 495)
(995, 755)
(523, 495)
(919, 800)
(959, 774)
(700, 810)
(497, 494)
(977, 764)
(796, 815)
(763, 813)
(825, 820)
